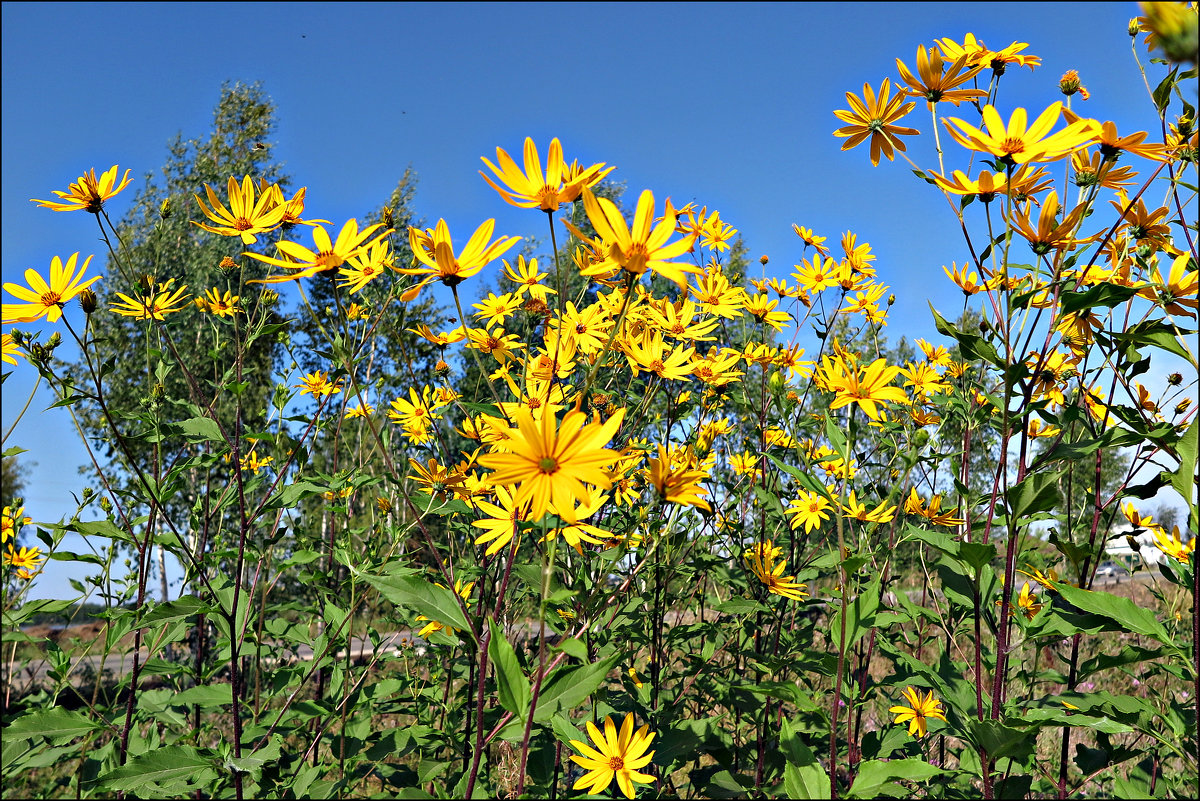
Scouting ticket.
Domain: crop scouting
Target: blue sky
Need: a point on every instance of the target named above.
(727, 105)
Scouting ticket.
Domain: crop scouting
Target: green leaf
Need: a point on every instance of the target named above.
(510, 679)
(803, 776)
(568, 687)
(404, 587)
(181, 608)
(1125, 613)
(573, 646)
(1038, 492)
(205, 696)
(1000, 740)
(739, 606)
(201, 429)
(1101, 295)
(50, 723)
(170, 765)
(860, 617)
(876, 775)
(1184, 479)
(972, 346)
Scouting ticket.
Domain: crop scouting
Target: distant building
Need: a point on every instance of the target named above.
(1118, 548)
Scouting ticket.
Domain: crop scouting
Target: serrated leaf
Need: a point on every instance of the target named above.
(423, 596)
(50, 723)
(201, 429)
(875, 774)
(162, 766)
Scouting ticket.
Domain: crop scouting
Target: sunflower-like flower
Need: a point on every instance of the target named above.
(763, 560)
(936, 82)
(329, 255)
(640, 248)
(44, 298)
(867, 387)
(1017, 142)
(921, 707)
(1175, 291)
(531, 188)
(222, 305)
(88, 193)
(875, 117)
(25, 560)
(1172, 546)
(1050, 234)
(434, 249)
(159, 300)
(677, 479)
(616, 756)
(245, 216)
(549, 463)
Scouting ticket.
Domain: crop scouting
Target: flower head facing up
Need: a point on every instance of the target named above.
(875, 117)
(329, 254)
(616, 755)
(47, 298)
(435, 251)
(531, 188)
(920, 707)
(638, 249)
(89, 192)
(245, 216)
(1018, 142)
(550, 463)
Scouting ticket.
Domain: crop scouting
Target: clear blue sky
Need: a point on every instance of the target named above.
(727, 105)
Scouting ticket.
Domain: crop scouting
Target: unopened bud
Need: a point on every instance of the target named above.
(1068, 84)
(1183, 406)
(269, 297)
(227, 265)
(1175, 379)
(441, 369)
(54, 341)
(1133, 543)
(389, 218)
(384, 505)
(157, 391)
(1133, 26)
(164, 209)
(763, 260)
(87, 301)
(146, 282)
(105, 503)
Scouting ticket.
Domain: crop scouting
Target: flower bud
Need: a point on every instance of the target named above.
(269, 297)
(227, 265)
(763, 260)
(1133, 26)
(389, 217)
(384, 505)
(1069, 84)
(87, 301)
(441, 369)
(1175, 379)
(105, 504)
(54, 341)
(164, 209)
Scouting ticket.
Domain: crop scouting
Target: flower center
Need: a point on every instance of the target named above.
(548, 465)
(51, 298)
(242, 224)
(635, 260)
(328, 260)
(616, 763)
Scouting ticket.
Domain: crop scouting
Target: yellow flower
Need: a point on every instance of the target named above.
(1172, 546)
(921, 707)
(11, 350)
(866, 388)
(318, 385)
(763, 560)
(26, 560)
(160, 300)
(11, 522)
(677, 480)
(329, 254)
(810, 239)
(245, 217)
(809, 509)
(88, 193)
(365, 266)
(638, 249)
(549, 463)
(618, 756)
(222, 305)
(1176, 292)
(526, 276)
(439, 339)
(531, 188)
(435, 250)
(875, 118)
(1027, 603)
(1017, 142)
(503, 521)
(363, 410)
(936, 82)
(46, 299)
